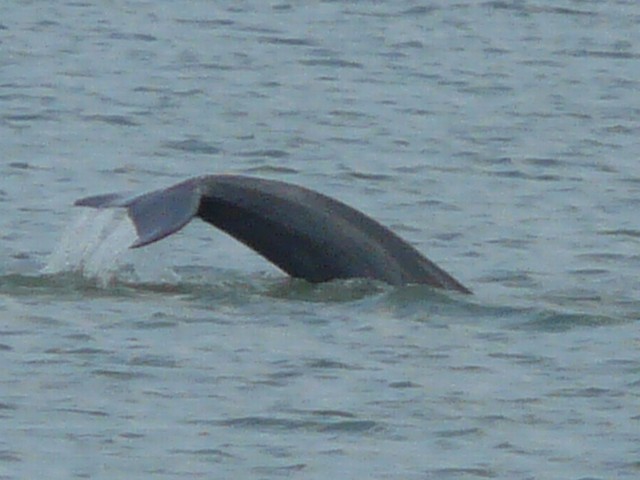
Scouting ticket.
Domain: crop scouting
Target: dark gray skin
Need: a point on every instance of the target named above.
(305, 233)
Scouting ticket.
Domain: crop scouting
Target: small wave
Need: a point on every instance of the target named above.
(193, 145)
(59, 284)
(337, 291)
(293, 424)
(557, 321)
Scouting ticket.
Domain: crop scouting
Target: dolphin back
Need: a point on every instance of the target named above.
(307, 234)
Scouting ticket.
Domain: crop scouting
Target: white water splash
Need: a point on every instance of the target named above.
(93, 245)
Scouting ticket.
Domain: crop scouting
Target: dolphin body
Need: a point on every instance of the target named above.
(307, 234)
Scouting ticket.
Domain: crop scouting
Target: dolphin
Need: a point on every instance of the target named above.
(305, 233)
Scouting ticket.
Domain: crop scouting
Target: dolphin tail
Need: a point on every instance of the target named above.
(156, 214)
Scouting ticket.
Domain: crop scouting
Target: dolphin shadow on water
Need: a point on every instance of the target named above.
(305, 233)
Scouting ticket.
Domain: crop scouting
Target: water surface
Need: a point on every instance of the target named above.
(500, 138)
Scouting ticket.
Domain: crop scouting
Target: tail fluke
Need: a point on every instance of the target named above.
(156, 214)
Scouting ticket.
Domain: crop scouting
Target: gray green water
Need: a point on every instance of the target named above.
(500, 138)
